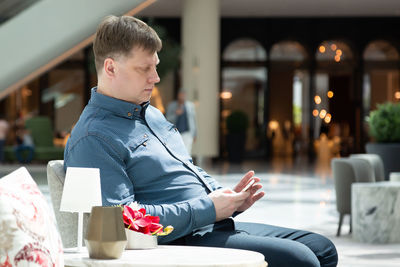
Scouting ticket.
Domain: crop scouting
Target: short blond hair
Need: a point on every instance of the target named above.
(116, 36)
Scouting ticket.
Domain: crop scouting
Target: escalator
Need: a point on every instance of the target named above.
(37, 35)
(11, 8)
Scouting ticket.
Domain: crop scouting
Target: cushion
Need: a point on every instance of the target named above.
(29, 236)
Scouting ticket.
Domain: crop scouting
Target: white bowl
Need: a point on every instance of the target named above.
(138, 240)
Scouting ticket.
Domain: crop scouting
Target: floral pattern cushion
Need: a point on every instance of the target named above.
(29, 236)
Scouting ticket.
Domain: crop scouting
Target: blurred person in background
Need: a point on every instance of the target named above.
(182, 113)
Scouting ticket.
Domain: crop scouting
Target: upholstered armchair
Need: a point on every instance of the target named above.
(67, 222)
(345, 172)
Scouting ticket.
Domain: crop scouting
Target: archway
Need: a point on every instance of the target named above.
(243, 87)
(289, 91)
(334, 101)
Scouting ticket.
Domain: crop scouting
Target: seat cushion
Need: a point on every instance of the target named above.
(29, 235)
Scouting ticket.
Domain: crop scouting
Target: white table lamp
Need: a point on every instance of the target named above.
(81, 191)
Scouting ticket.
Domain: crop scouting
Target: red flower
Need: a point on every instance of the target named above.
(138, 221)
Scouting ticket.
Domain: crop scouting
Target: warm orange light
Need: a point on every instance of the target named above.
(322, 113)
(328, 118)
(315, 112)
(226, 113)
(226, 95)
(322, 49)
(329, 94)
(333, 47)
(397, 95)
(273, 125)
(317, 99)
(339, 52)
(337, 58)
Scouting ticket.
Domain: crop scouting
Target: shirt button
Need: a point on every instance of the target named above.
(129, 114)
(145, 143)
(136, 109)
(176, 129)
(145, 135)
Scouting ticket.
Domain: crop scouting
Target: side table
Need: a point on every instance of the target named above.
(375, 212)
(174, 256)
(394, 177)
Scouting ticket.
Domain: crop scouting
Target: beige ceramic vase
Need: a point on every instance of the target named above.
(105, 236)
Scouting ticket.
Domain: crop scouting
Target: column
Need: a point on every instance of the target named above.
(201, 70)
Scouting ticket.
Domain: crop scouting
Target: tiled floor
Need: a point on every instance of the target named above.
(298, 195)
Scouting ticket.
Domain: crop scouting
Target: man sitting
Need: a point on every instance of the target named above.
(142, 158)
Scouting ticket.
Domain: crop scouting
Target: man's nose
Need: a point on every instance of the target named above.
(154, 78)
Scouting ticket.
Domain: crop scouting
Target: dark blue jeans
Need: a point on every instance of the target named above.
(280, 246)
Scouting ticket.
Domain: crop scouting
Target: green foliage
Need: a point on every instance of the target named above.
(297, 114)
(384, 123)
(237, 122)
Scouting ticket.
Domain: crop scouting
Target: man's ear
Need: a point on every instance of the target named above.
(109, 67)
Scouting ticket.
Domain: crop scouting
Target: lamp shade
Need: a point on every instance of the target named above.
(82, 190)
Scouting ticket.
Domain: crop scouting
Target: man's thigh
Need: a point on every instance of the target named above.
(280, 246)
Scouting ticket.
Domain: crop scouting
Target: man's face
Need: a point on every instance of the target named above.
(135, 76)
(181, 97)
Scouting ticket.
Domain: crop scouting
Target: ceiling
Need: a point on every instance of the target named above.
(285, 8)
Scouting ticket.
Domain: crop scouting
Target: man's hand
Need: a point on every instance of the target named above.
(253, 195)
(226, 202)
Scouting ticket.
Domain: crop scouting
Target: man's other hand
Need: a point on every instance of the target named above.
(253, 194)
(226, 202)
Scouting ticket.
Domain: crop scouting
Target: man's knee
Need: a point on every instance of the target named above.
(314, 250)
(329, 256)
(294, 255)
(325, 251)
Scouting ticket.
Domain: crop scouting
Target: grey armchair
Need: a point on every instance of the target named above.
(67, 222)
(376, 163)
(345, 172)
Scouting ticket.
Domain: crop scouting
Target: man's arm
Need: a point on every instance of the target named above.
(211, 181)
(228, 202)
(117, 187)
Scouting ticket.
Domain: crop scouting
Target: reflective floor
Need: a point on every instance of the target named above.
(298, 195)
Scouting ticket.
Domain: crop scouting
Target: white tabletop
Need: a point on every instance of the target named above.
(174, 256)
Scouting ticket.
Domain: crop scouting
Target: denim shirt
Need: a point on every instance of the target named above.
(142, 158)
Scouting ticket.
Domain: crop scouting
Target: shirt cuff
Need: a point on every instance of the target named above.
(203, 210)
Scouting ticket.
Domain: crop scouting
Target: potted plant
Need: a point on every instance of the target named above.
(142, 229)
(384, 127)
(236, 123)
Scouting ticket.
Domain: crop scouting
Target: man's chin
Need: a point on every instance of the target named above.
(145, 100)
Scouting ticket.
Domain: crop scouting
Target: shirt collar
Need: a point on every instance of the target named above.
(120, 107)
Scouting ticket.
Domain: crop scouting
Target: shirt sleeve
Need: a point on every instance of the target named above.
(211, 181)
(117, 188)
